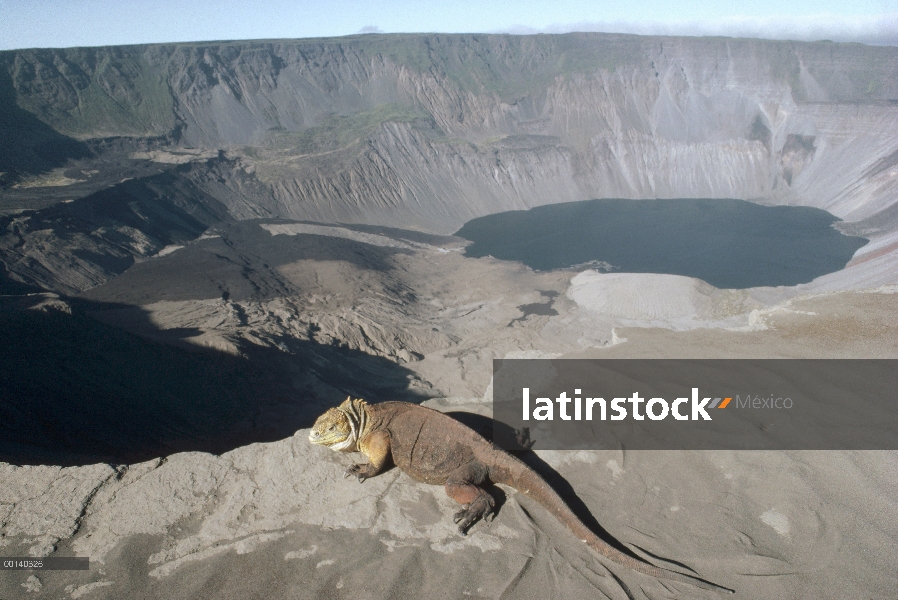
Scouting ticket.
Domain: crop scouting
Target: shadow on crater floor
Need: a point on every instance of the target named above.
(76, 391)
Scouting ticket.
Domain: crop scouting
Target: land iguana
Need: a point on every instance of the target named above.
(435, 448)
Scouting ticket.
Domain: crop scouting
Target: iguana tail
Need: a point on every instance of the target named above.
(524, 479)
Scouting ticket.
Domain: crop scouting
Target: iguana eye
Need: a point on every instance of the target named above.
(332, 427)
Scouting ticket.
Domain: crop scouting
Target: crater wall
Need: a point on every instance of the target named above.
(428, 131)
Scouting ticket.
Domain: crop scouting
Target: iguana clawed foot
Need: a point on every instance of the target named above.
(483, 507)
(358, 471)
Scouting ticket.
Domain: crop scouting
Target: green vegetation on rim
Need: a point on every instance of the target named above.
(91, 92)
(339, 131)
(338, 134)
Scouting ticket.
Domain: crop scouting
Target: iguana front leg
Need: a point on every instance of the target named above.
(376, 447)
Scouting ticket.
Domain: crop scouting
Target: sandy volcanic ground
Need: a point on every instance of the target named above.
(276, 520)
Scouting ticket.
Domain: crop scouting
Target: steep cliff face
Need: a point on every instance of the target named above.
(471, 84)
(429, 131)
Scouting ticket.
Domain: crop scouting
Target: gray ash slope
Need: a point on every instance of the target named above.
(76, 243)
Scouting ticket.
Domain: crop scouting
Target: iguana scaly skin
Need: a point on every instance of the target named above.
(435, 448)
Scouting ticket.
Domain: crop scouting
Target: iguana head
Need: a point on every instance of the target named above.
(340, 428)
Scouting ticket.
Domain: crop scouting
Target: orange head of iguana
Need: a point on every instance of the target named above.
(340, 428)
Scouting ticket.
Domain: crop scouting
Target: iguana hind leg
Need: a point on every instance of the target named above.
(463, 486)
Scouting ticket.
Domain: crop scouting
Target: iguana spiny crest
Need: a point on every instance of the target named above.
(341, 428)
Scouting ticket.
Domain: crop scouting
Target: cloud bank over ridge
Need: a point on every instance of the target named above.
(881, 30)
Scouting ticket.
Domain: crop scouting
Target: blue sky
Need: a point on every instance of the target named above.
(60, 23)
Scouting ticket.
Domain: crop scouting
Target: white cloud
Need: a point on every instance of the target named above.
(872, 29)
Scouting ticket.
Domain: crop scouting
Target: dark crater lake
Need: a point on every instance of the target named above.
(728, 243)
